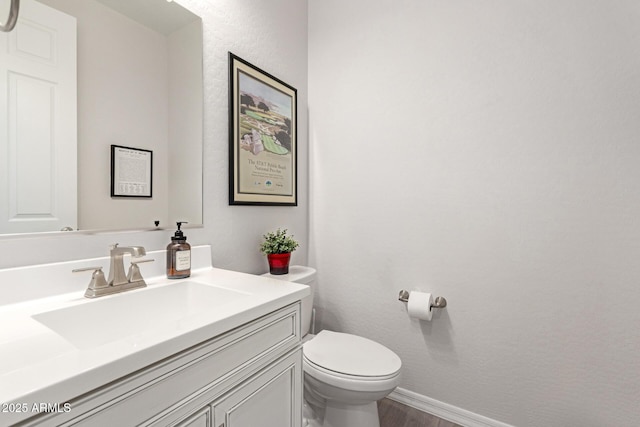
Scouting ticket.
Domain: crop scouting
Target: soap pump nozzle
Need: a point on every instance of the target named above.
(179, 235)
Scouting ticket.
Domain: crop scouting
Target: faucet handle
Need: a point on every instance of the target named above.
(134, 271)
(98, 280)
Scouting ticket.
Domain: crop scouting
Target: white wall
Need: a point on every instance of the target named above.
(487, 152)
(271, 35)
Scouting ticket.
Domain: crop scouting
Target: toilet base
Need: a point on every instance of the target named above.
(337, 414)
(340, 415)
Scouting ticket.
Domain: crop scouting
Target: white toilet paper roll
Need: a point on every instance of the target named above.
(419, 305)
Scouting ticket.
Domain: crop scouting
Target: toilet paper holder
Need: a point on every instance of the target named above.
(439, 302)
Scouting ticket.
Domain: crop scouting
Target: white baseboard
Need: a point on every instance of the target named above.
(443, 410)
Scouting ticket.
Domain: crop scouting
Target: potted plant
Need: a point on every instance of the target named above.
(278, 247)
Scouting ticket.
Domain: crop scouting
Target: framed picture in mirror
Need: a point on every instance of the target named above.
(131, 172)
(262, 137)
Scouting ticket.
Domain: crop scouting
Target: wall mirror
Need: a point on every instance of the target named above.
(80, 76)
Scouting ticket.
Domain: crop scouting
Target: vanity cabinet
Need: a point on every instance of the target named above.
(199, 419)
(266, 400)
(249, 376)
(271, 397)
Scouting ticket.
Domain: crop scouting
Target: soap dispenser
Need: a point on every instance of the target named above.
(178, 255)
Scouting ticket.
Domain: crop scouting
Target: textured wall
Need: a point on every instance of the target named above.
(273, 36)
(487, 152)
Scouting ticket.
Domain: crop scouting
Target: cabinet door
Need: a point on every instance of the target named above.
(200, 419)
(273, 397)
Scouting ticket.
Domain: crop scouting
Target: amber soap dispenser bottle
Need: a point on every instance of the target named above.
(178, 255)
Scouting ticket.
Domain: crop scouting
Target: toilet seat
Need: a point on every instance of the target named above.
(344, 359)
(324, 371)
(351, 356)
(351, 362)
(350, 382)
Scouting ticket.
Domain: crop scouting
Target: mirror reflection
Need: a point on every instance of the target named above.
(80, 76)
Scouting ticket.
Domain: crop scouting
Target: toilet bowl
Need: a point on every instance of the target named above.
(344, 374)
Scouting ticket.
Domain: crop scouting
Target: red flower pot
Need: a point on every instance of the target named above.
(279, 263)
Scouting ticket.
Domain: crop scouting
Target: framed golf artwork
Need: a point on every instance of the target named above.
(262, 137)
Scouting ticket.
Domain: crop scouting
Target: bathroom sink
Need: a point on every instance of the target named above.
(129, 314)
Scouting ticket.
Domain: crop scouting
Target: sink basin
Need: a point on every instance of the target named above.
(124, 315)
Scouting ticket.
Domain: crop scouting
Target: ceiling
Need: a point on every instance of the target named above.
(165, 18)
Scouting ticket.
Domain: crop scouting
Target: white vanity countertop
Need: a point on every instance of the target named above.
(37, 365)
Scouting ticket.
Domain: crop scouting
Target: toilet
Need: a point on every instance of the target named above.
(344, 374)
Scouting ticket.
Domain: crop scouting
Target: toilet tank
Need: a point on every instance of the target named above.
(305, 276)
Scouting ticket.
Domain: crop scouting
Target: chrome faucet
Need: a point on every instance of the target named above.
(118, 281)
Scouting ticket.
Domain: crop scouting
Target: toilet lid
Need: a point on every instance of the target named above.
(351, 355)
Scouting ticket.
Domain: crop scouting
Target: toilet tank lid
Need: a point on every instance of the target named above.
(297, 274)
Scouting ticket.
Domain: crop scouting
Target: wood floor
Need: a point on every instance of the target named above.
(394, 414)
